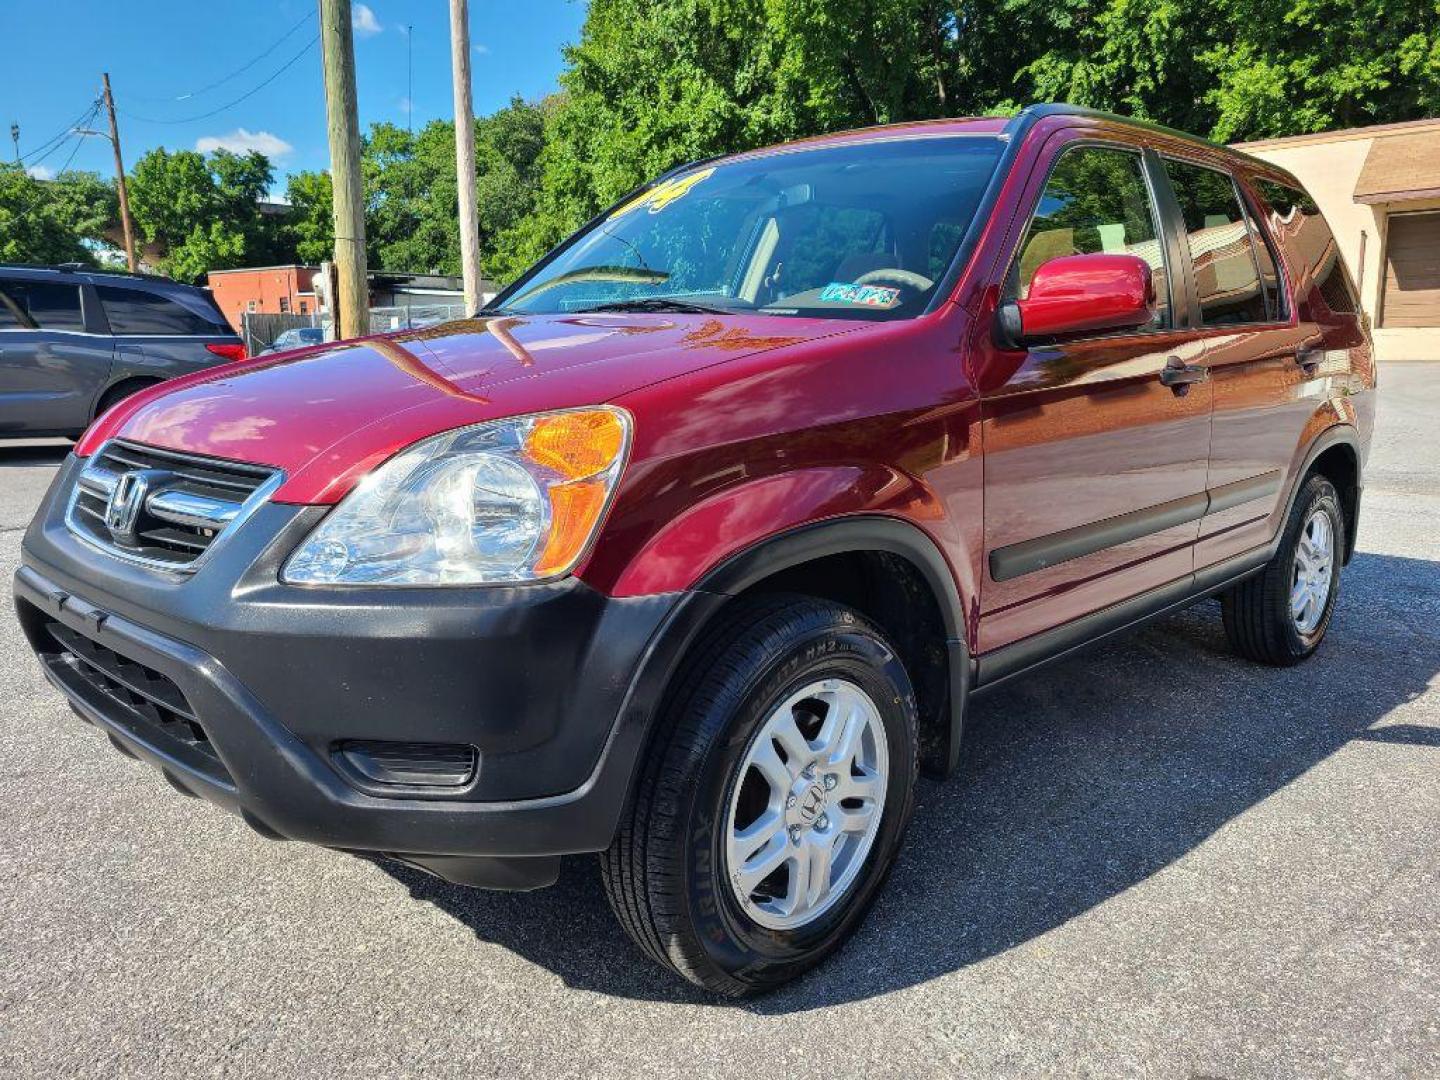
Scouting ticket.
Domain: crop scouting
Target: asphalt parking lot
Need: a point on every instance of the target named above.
(1159, 860)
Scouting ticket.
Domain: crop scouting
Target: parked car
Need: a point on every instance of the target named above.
(74, 341)
(693, 549)
(298, 337)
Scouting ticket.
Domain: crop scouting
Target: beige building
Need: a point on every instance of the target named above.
(1379, 187)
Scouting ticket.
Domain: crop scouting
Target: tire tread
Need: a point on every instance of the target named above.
(643, 871)
(1255, 612)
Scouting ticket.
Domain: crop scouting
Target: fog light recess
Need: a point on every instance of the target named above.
(409, 764)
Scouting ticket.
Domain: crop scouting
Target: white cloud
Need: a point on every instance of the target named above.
(41, 172)
(364, 20)
(481, 49)
(241, 141)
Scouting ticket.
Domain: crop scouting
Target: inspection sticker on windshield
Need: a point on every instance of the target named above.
(881, 296)
(664, 193)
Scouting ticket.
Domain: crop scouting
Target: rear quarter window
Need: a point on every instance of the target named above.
(132, 311)
(1297, 223)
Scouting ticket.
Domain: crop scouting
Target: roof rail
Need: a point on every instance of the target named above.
(81, 268)
(1064, 108)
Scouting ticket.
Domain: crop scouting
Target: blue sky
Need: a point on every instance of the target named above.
(158, 50)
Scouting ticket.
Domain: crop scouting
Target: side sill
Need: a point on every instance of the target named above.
(1010, 661)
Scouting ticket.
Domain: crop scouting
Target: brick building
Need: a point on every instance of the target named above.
(264, 290)
(290, 290)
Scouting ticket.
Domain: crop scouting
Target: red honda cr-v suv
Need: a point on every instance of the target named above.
(692, 549)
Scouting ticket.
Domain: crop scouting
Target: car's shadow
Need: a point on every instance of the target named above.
(31, 454)
(1077, 784)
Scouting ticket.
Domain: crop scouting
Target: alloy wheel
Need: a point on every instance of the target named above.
(1314, 568)
(807, 804)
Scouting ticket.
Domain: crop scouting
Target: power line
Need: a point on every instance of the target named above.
(59, 142)
(229, 105)
(268, 51)
(48, 145)
(79, 142)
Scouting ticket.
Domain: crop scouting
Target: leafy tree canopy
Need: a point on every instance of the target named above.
(203, 212)
(654, 83)
(53, 221)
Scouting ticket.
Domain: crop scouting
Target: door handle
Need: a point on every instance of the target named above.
(1179, 375)
(1309, 357)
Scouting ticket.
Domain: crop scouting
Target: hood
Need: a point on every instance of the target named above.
(328, 415)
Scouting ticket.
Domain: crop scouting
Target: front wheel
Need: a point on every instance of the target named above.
(774, 799)
(1280, 615)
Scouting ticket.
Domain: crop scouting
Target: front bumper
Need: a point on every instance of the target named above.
(553, 684)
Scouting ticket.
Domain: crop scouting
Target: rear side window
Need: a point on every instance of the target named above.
(1095, 200)
(131, 311)
(43, 305)
(1222, 247)
(1297, 222)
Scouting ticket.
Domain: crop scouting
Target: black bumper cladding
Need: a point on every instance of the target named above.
(477, 733)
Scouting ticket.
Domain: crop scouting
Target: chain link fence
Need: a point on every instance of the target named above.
(259, 330)
(413, 316)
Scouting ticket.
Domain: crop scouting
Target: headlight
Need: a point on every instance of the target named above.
(508, 501)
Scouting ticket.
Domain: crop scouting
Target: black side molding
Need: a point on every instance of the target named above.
(1028, 556)
(1017, 560)
(1243, 491)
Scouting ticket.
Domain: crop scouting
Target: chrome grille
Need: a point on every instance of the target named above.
(171, 506)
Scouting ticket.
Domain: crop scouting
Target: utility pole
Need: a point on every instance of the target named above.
(410, 80)
(337, 47)
(131, 262)
(465, 151)
(15, 138)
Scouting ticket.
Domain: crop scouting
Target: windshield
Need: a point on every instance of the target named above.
(862, 230)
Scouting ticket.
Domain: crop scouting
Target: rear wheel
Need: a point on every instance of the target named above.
(119, 392)
(773, 803)
(1280, 615)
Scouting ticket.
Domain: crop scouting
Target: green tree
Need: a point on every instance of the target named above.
(53, 221)
(204, 212)
(1236, 70)
(412, 200)
(310, 224)
(655, 83)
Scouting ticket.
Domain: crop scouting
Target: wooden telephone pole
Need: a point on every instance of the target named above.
(131, 262)
(465, 151)
(352, 299)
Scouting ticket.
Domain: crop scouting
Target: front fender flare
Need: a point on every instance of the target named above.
(872, 533)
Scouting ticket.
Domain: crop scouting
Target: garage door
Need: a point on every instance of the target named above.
(1412, 271)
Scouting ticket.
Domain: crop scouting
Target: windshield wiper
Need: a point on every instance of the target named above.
(658, 303)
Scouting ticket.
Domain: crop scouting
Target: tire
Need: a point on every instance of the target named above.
(119, 392)
(667, 875)
(1258, 615)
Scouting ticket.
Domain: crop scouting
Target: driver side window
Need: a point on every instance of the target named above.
(1095, 200)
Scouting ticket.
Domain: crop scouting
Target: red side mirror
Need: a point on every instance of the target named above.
(1080, 293)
